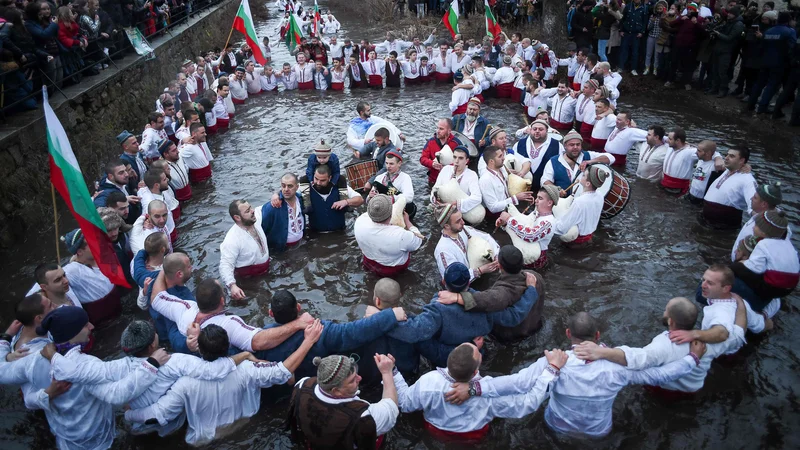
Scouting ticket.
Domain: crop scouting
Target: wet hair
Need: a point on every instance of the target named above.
(563, 81)
(657, 130)
(388, 290)
(541, 73)
(155, 242)
(152, 177)
(166, 104)
(113, 164)
(679, 134)
(382, 132)
(190, 114)
(361, 107)
(727, 274)
(213, 342)
(28, 308)
(208, 293)
(683, 313)
(461, 363)
(283, 306)
(233, 207)
(604, 102)
(744, 152)
(114, 198)
(593, 58)
(626, 114)
(490, 152)
(582, 326)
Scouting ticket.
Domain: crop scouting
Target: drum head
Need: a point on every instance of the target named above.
(394, 133)
(466, 142)
(619, 193)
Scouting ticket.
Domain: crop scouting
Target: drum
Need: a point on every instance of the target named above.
(394, 133)
(617, 197)
(359, 173)
(466, 142)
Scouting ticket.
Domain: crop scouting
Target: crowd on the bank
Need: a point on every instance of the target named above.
(560, 167)
(58, 43)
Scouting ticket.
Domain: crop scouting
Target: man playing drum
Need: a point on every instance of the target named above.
(563, 170)
(586, 208)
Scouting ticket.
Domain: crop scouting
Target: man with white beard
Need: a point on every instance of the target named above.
(472, 124)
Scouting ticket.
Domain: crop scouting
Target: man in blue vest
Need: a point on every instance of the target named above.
(472, 124)
(563, 170)
(536, 149)
(327, 204)
(283, 226)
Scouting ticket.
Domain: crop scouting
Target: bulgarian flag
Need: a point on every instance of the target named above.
(317, 17)
(493, 29)
(293, 34)
(66, 176)
(243, 23)
(451, 18)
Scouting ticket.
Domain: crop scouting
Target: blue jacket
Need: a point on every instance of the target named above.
(634, 20)
(107, 188)
(778, 44)
(406, 357)
(452, 325)
(275, 222)
(480, 128)
(332, 163)
(327, 78)
(140, 272)
(321, 215)
(336, 338)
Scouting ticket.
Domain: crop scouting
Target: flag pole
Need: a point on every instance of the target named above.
(229, 38)
(55, 223)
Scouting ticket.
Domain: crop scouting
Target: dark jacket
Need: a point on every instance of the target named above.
(688, 33)
(275, 222)
(778, 44)
(333, 164)
(580, 20)
(46, 37)
(357, 84)
(730, 34)
(634, 19)
(480, 128)
(605, 22)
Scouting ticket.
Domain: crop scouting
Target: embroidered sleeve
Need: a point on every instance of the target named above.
(530, 233)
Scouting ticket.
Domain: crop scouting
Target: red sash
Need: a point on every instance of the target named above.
(223, 123)
(385, 271)
(200, 175)
(619, 160)
(560, 125)
(679, 185)
(456, 437)
(375, 80)
(176, 214)
(250, 94)
(571, 80)
(192, 96)
(669, 394)
(305, 85)
(516, 95)
(539, 263)
(576, 86)
(722, 214)
(424, 78)
(586, 131)
(443, 77)
(504, 90)
(212, 129)
(599, 145)
(105, 309)
(410, 81)
(461, 109)
(783, 280)
(184, 193)
(337, 86)
(582, 239)
(236, 101)
(252, 271)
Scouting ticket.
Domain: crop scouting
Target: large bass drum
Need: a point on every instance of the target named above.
(394, 133)
(358, 173)
(466, 142)
(619, 193)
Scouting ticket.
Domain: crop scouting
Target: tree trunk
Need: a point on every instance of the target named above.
(554, 25)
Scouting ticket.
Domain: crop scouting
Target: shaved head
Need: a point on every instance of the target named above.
(582, 326)
(683, 313)
(175, 262)
(388, 291)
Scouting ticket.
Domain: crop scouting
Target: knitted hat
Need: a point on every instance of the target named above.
(572, 135)
(772, 223)
(507, 60)
(164, 145)
(771, 15)
(443, 211)
(396, 153)
(593, 83)
(63, 323)
(476, 101)
(540, 122)
(137, 337)
(770, 193)
(186, 62)
(691, 7)
(466, 70)
(456, 277)
(458, 76)
(462, 149)
(240, 68)
(380, 208)
(597, 176)
(747, 244)
(322, 149)
(536, 45)
(122, 137)
(510, 259)
(552, 192)
(334, 369)
(495, 132)
(74, 240)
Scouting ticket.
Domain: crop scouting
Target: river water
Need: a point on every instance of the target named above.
(656, 249)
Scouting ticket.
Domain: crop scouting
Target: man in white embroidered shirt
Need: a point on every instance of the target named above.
(211, 405)
(582, 398)
(470, 421)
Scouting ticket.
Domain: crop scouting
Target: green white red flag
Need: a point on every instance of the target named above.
(67, 178)
(293, 33)
(243, 23)
(317, 18)
(492, 27)
(451, 18)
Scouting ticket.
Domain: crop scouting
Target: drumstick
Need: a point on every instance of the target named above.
(484, 132)
(525, 118)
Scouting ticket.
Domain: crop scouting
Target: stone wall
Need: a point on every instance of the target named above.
(92, 118)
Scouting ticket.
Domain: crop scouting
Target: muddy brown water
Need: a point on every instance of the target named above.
(654, 250)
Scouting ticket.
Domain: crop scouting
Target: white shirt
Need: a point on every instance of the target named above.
(582, 74)
(468, 182)
(494, 190)
(702, 171)
(139, 233)
(747, 230)
(504, 75)
(401, 181)
(770, 254)
(240, 249)
(455, 64)
(396, 45)
(331, 27)
(388, 245)
(304, 73)
(723, 312)
(146, 197)
(733, 189)
(411, 69)
(584, 212)
(194, 156)
(253, 80)
(220, 111)
(540, 231)
(442, 63)
(536, 153)
(460, 96)
(150, 139)
(427, 394)
(297, 224)
(549, 171)
(320, 81)
(651, 162)
(335, 49)
(238, 88)
(338, 77)
(582, 399)
(680, 163)
(452, 250)
(289, 81)
(603, 127)
(533, 102)
(375, 67)
(268, 83)
(562, 109)
(210, 405)
(584, 110)
(620, 141)
(178, 174)
(87, 283)
(184, 314)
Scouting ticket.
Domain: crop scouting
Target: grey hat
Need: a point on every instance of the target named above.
(552, 192)
(333, 370)
(137, 337)
(770, 193)
(773, 224)
(507, 60)
(380, 208)
(597, 176)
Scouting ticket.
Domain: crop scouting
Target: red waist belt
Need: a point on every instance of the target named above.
(385, 271)
(678, 185)
(722, 214)
(305, 85)
(410, 81)
(504, 90)
(424, 78)
(571, 80)
(443, 76)
(575, 86)
(459, 437)
(619, 160)
(461, 109)
(192, 96)
(223, 123)
(252, 271)
(337, 86)
(375, 80)
(236, 101)
(586, 131)
(598, 145)
(582, 239)
(783, 280)
(176, 214)
(539, 263)
(563, 126)
(184, 193)
(174, 235)
(200, 175)
(516, 94)
(105, 309)
(669, 394)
